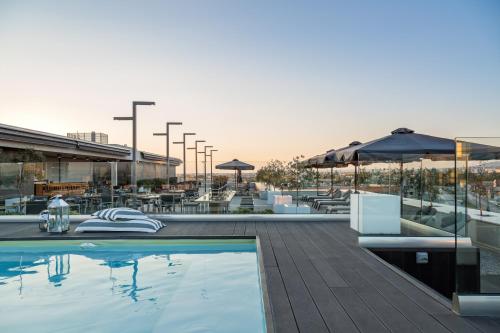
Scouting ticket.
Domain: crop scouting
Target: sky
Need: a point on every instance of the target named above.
(258, 80)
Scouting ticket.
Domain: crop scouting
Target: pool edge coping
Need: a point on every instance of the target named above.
(263, 285)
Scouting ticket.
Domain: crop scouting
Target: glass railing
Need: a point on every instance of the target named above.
(478, 215)
(405, 195)
(89, 186)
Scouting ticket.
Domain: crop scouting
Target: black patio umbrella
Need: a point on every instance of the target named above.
(320, 162)
(402, 144)
(237, 166)
(333, 158)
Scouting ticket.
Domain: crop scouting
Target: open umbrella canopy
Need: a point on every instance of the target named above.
(235, 165)
(332, 156)
(315, 161)
(402, 144)
(321, 161)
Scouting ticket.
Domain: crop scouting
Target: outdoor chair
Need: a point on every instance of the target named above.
(310, 198)
(35, 207)
(105, 202)
(332, 203)
(338, 209)
(133, 203)
(165, 203)
(426, 215)
(72, 201)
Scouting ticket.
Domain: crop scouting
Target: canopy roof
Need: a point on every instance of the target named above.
(235, 165)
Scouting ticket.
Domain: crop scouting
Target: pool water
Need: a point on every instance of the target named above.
(130, 286)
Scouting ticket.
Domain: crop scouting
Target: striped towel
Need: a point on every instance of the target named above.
(116, 214)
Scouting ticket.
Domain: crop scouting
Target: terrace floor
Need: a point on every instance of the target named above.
(320, 280)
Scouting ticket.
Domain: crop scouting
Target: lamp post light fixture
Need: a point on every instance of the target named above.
(204, 152)
(134, 141)
(196, 158)
(183, 142)
(167, 135)
(195, 148)
(211, 165)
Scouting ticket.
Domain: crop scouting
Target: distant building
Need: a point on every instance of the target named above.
(90, 136)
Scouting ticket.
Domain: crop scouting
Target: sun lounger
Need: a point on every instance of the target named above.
(336, 194)
(338, 209)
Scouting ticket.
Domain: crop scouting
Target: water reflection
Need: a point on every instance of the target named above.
(58, 268)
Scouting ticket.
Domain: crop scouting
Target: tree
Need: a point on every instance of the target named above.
(297, 175)
(478, 185)
(264, 176)
(430, 184)
(272, 174)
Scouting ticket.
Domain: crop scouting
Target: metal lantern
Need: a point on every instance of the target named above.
(58, 215)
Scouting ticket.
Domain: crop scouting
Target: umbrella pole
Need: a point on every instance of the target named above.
(317, 181)
(421, 188)
(356, 178)
(331, 181)
(401, 186)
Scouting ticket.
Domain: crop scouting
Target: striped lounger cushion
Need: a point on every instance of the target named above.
(134, 225)
(115, 214)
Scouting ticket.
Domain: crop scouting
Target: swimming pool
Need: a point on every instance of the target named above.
(149, 285)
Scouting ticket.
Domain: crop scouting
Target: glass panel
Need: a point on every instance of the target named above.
(88, 186)
(422, 187)
(478, 215)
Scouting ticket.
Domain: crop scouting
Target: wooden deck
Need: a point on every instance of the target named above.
(320, 280)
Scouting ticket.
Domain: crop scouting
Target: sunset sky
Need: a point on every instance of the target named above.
(256, 79)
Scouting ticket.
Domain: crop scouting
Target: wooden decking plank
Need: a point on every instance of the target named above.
(265, 243)
(284, 320)
(362, 316)
(430, 305)
(485, 324)
(176, 228)
(455, 323)
(332, 312)
(357, 278)
(387, 313)
(339, 317)
(225, 228)
(250, 229)
(239, 228)
(306, 313)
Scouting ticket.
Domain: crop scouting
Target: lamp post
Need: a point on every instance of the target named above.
(196, 158)
(183, 142)
(211, 160)
(195, 148)
(166, 134)
(204, 152)
(134, 140)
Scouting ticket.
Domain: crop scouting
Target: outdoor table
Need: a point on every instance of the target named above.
(147, 200)
(207, 200)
